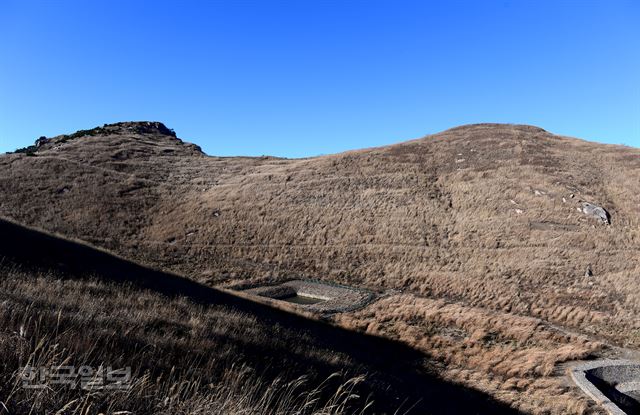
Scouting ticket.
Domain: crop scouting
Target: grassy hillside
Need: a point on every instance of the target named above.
(475, 236)
(191, 349)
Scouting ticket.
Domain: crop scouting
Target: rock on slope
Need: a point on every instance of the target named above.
(489, 216)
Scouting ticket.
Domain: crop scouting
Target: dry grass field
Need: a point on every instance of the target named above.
(473, 237)
(191, 349)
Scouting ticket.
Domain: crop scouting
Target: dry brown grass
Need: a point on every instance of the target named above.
(204, 349)
(185, 358)
(512, 357)
(478, 221)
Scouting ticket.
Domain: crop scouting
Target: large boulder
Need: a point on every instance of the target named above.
(597, 212)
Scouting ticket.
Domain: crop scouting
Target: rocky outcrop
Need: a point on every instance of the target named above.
(139, 127)
(151, 129)
(597, 212)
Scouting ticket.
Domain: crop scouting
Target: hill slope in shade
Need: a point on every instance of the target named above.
(470, 234)
(191, 348)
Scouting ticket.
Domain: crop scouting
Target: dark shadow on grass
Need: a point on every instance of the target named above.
(399, 368)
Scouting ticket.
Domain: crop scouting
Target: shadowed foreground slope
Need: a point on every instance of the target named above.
(105, 310)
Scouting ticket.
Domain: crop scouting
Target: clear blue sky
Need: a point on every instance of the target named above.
(301, 78)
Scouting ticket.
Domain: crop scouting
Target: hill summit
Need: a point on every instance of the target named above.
(148, 129)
